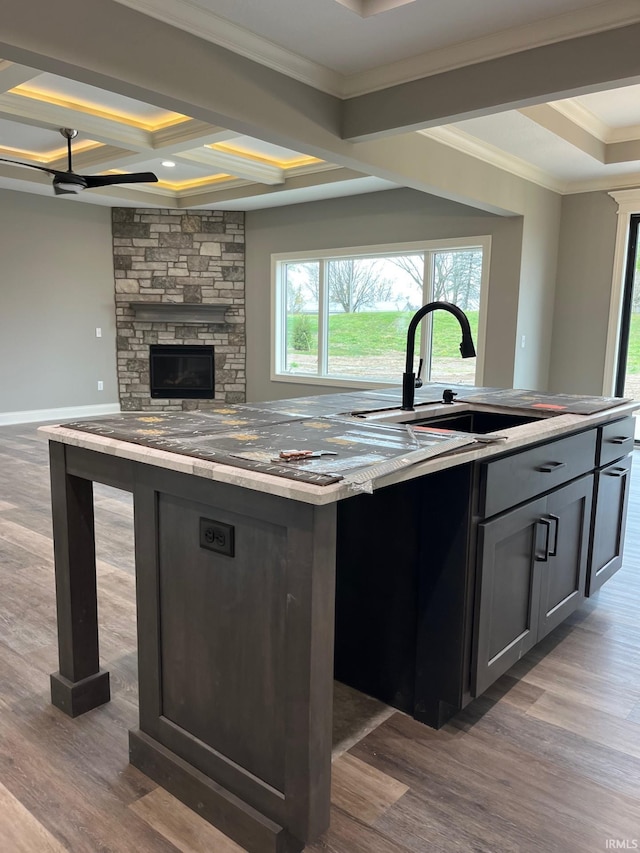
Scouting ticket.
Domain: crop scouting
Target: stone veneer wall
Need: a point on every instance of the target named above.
(178, 256)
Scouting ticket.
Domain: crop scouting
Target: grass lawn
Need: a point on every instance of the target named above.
(376, 333)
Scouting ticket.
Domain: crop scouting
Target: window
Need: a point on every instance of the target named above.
(342, 317)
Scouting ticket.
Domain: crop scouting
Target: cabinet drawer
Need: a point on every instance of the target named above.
(516, 478)
(615, 440)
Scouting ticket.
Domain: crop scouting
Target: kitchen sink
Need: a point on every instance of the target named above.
(458, 417)
(474, 421)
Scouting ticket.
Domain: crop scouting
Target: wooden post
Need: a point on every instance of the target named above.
(79, 685)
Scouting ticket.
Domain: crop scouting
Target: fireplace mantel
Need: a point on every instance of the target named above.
(179, 312)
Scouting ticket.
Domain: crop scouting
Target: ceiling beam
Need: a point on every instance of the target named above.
(189, 135)
(15, 107)
(235, 164)
(231, 193)
(12, 75)
(536, 75)
(623, 152)
(560, 125)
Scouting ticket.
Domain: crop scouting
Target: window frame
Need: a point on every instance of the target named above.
(428, 247)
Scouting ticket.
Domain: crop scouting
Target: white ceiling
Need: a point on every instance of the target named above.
(332, 35)
(341, 46)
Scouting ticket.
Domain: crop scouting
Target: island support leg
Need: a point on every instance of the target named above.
(79, 685)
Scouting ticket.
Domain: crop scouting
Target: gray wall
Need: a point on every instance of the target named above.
(385, 217)
(536, 290)
(56, 286)
(583, 292)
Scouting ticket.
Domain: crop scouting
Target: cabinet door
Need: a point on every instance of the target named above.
(611, 498)
(510, 549)
(563, 581)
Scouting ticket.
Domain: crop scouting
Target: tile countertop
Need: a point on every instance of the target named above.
(330, 407)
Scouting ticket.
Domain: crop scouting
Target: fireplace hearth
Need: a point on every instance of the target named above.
(182, 372)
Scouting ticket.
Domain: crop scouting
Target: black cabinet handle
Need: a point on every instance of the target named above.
(550, 467)
(555, 538)
(616, 472)
(547, 525)
(621, 439)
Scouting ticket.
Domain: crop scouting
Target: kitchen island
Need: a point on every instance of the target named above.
(432, 585)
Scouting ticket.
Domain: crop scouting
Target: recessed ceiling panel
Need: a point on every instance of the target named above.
(24, 137)
(521, 137)
(332, 35)
(616, 107)
(92, 98)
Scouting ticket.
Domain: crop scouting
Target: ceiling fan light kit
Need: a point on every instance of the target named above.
(70, 183)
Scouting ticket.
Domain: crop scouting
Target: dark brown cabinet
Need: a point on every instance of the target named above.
(444, 582)
(611, 498)
(530, 575)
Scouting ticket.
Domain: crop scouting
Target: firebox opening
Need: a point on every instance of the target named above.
(178, 371)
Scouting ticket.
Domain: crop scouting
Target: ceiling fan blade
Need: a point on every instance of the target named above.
(58, 190)
(32, 166)
(107, 180)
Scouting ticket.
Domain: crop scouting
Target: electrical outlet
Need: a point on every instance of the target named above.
(100, 385)
(218, 537)
(523, 341)
(98, 332)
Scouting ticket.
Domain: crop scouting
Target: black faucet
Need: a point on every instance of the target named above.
(467, 349)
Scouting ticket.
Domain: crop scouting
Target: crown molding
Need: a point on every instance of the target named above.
(488, 153)
(628, 200)
(607, 184)
(367, 8)
(583, 22)
(193, 18)
(631, 133)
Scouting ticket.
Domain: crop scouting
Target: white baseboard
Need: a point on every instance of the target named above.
(62, 414)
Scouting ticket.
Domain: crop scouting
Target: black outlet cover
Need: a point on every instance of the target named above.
(218, 537)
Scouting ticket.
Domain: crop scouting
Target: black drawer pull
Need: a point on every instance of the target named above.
(554, 552)
(550, 467)
(616, 472)
(544, 557)
(621, 439)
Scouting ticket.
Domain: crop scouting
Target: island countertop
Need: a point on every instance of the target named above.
(182, 442)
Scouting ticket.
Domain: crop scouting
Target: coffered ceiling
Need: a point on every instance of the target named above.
(195, 162)
(484, 79)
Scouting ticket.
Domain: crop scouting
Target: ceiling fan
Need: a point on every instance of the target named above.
(70, 182)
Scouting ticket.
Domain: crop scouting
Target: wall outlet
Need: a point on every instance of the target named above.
(216, 536)
(100, 385)
(523, 341)
(98, 332)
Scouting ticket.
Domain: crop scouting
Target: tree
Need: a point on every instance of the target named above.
(456, 275)
(354, 284)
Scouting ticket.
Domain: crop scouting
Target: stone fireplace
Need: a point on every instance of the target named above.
(179, 280)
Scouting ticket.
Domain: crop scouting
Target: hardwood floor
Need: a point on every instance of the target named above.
(547, 760)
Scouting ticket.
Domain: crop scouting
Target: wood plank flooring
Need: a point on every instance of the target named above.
(547, 760)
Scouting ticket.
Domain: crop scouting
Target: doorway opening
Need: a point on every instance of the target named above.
(628, 367)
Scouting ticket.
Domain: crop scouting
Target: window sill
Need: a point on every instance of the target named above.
(332, 382)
